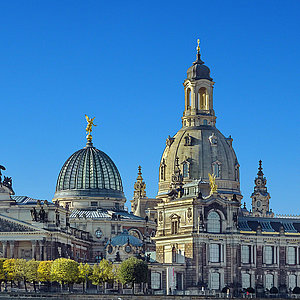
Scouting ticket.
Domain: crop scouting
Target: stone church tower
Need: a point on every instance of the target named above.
(260, 196)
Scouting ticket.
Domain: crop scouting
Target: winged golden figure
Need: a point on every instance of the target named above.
(89, 126)
(212, 183)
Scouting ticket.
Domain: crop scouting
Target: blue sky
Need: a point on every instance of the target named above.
(124, 62)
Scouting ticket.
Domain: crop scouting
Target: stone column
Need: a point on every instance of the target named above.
(4, 248)
(33, 245)
(11, 248)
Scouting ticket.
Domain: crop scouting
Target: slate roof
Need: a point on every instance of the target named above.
(269, 225)
(98, 213)
(24, 200)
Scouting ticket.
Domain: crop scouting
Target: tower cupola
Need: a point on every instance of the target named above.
(198, 88)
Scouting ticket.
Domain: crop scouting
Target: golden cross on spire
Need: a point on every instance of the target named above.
(198, 47)
(89, 127)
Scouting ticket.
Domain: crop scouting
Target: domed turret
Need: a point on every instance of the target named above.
(199, 148)
(198, 70)
(89, 178)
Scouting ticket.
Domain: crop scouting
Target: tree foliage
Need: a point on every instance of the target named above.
(133, 270)
(31, 270)
(84, 272)
(64, 270)
(9, 269)
(103, 272)
(44, 271)
(2, 273)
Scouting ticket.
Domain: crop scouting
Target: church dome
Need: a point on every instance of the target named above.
(198, 151)
(89, 172)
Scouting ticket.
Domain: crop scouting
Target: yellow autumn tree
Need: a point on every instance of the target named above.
(103, 272)
(44, 272)
(84, 272)
(31, 272)
(64, 270)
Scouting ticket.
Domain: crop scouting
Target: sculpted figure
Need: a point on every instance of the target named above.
(90, 124)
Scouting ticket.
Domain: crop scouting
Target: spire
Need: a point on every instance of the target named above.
(140, 178)
(198, 60)
(260, 172)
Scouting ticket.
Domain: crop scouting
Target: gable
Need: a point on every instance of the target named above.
(10, 225)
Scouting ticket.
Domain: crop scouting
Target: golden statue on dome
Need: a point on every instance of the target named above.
(89, 127)
(212, 183)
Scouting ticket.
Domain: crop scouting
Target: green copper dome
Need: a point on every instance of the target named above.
(89, 172)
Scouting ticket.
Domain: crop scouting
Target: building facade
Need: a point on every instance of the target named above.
(206, 239)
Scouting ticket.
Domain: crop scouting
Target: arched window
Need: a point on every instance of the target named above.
(188, 99)
(292, 281)
(163, 170)
(217, 169)
(174, 255)
(246, 282)
(185, 170)
(204, 122)
(202, 99)
(269, 281)
(213, 222)
(215, 281)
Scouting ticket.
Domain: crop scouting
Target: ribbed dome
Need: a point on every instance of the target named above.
(198, 70)
(89, 172)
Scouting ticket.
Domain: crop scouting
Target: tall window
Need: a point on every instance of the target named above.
(291, 255)
(216, 169)
(188, 99)
(269, 255)
(174, 226)
(292, 281)
(163, 170)
(215, 253)
(174, 255)
(269, 281)
(246, 280)
(185, 170)
(155, 281)
(215, 281)
(203, 99)
(213, 222)
(246, 254)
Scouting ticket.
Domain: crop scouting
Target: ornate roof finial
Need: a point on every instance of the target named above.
(89, 128)
(140, 173)
(198, 47)
(198, 60)
(260, 173)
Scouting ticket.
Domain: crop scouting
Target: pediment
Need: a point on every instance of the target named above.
(12, 225)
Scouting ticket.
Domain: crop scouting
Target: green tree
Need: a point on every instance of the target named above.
(64, 270)
(84, 272)
(44, 272)
(133, 270)
(31, 272)
(103, 272)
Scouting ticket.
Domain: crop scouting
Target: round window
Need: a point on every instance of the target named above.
(98, 233)
(258, 203)
(110, 249)
(128, 249)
